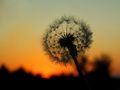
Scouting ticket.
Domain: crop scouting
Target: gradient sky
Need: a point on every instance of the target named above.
(23, 22)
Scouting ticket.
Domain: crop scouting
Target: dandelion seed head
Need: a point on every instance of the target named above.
(64, 32)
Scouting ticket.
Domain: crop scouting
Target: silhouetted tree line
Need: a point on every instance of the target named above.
(98, 79)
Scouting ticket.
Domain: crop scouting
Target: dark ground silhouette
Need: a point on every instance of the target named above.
(98, 79)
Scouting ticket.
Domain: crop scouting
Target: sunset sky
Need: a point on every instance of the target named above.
(23, 22)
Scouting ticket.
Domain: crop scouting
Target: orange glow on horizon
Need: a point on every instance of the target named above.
(21, 47)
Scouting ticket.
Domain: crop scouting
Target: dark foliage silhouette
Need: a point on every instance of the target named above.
(101, 73)
(99, 78)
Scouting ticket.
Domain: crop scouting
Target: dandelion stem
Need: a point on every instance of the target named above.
(73, 53)
(81, 73)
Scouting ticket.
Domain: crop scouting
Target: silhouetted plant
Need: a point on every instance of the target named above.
(67, 38)
(99, 79)
(4, 73)
(101, 73)
(83, 62)
(102, 64)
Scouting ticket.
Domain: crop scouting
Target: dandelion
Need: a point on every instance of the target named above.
(66, 39)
